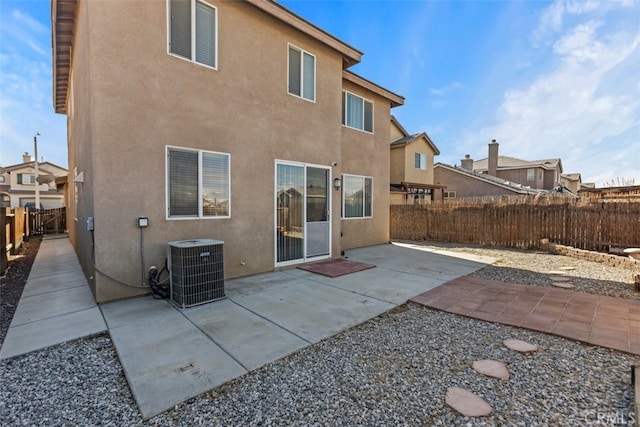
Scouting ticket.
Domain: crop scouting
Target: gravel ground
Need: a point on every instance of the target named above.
(392, 370)
(531, 267)
(13, 281)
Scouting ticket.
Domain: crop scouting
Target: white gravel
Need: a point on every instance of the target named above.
(392, 370)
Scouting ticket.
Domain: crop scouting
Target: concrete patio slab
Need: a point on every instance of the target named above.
(169, 355)
(251, 339)
(167, 360)
(311, 310)
(52, 331)
(382, 284)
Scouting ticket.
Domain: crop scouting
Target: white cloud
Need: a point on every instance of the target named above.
(32, 24)
(585, 109)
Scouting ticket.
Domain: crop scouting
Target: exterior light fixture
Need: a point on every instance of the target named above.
(337, 183)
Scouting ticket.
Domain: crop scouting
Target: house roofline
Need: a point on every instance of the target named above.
(63, 17)
(32, 163)
(411, 138)
(351, 55)
(396, 122)
(396, 100)
(491, 180)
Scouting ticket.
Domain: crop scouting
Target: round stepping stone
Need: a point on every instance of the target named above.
(520, 346)
(491, 368)
(560, 278)
(467, 403)
(564, 285)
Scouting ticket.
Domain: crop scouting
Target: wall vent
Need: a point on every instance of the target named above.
(196, 271)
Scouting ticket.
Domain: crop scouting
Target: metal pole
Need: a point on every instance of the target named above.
(35, 149)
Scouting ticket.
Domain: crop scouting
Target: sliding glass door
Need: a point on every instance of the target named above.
(303, 206)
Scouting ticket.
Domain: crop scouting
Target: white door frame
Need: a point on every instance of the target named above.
(304, 258)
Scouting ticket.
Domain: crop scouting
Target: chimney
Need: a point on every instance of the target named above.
(26, 157)
(493, 158)
(467, 163)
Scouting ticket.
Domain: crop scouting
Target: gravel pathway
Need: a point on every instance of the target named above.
(392, 370)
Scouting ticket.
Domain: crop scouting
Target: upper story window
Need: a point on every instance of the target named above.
(421, 161)
(357, 112)
(193, 31)
(356, 196)
(302, 73)
(198, 184)
(531, 174)
(26, 178)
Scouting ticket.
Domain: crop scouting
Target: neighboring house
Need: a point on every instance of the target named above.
(229, 120)
(412, 158)
(537, 174)
(18, 184)
(571, 181)
(462, 182)
(626, 193)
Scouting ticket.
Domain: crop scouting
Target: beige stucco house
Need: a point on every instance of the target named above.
(18, 184)
(412, 158)
(537, 174)
(230, 120)
(499, 176)
(571, 181)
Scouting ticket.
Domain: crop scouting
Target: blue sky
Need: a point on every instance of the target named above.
(545, 79)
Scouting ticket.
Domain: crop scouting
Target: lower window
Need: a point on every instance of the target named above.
(198, 183)
(356, 196)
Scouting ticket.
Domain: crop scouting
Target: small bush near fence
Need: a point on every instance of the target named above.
(521, 222)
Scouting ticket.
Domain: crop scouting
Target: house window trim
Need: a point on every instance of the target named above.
(168, 217)
(315, 75)
(451, 194)
(344, 112)
(531, 171)
(193, 32)
(20, 178)
(422, 156)
(342, 215)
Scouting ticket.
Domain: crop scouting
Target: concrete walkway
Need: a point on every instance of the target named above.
(594, 319)
(170, 355)
(56, 304)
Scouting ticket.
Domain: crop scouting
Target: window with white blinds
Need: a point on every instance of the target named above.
(302, 73)
(357, 112)
(198, 184)
(193, 31)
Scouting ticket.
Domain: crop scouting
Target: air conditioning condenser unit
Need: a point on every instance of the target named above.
(196, 271)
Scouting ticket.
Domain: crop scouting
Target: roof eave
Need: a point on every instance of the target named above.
(395, 99)
(350, 55)
(63, 16)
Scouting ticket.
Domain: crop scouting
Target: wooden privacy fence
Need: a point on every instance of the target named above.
(591, 226)
(47, 221)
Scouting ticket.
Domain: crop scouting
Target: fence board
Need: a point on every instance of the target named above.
(521, 222)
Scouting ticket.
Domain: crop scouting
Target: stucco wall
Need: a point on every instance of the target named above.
(412, 174)
(397, 164)
(80, 141)
(142, 99)
(368, 154)
(520, 176)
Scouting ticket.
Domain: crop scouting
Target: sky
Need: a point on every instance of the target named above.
(546, 79)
